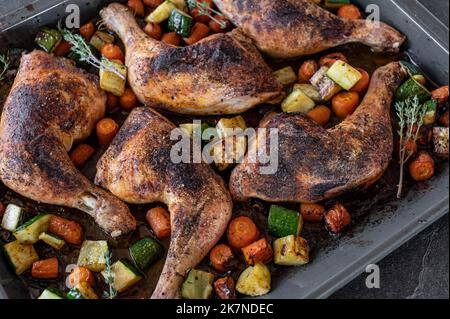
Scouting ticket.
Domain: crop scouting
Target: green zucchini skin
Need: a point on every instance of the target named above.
(412, 88)
(145, 252)
(48, 39)
(29, 232)
(283, 222)
(180, 23)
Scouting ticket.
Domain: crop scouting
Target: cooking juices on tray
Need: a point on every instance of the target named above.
(327, 88)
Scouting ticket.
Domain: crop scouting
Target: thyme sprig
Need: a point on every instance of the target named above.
(6, 63)
(109, 278)
(82, 49)
(411, 115)
(205, 9)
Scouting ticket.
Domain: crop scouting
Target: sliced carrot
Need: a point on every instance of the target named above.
(241, 232)
(113, 52)
(80, 274)
(81, 154)
(137, 7)
(45, 269)
(313, 213)
(307, 70)
(159, 220)
(112, 101)
(196, 13)
(422, 168)
(2, 209)
(222, 258)
(258, 252)
(220, 24)
(362, 84)
(345, 104)
(329, 59)
(152, 3)
(411, 147)
(128, 101)
(320, 114)
(153, 30)
(69, 230)
(199, 31)
(106, 130)
(440, 94)
(171, 38)
(337, 218)
(63, 48)
(225, 288)
(349, 11)
(87, 30)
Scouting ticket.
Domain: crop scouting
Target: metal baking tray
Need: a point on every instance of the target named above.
(383, 230)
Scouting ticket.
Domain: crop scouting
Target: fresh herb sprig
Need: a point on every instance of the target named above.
(82, 49)
(410, 114)
(109, 278)
(205, 9)
(5, 65)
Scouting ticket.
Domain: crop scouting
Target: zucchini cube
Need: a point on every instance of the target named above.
(326, 86)
(92, 255)
(111, 82)
(344, 75)
(285, 76)
(198, 285)
(29, 232)
(20, 256)
(124, 275)
(297, 101)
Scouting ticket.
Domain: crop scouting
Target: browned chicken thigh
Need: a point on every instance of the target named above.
(51, 106)
(222, 74)
(138, 169)
(294, 28)
(317, 164)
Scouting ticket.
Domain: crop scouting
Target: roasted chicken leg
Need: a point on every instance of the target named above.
(294, 28)
(223, 74)
(51, 106)
(138, 169)
(317, 164)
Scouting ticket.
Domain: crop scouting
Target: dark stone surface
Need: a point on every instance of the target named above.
(420, 268)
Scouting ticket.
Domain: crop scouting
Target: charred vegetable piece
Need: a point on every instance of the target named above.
(51, 293)
(326, 86)
(225, 288)
(431, 114)
(297, 102)
(198, 285)
(111, 82)
(410, 89)
(20, 256)
(335, 4)
(52, 240)
(124, 274)
(344, 75)
(258, 252)
(291, 251)
(310, 91)
(29, 232)
(48, 39)
(284, 222)
(92, 255)
(285, 76)
(441, 141)
(12, 217)
(82, 291)
(254, 281)
(180, 22)
(337, 218)
(100, 38)
(145, 252)
(161, 13)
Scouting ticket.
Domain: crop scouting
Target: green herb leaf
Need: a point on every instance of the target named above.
(109, 278)
(6, 63)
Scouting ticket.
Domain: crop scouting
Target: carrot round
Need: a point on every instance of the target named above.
(411, 147)
(80, 274)
(329, 59)
(307, 70)
(106, 130)
(199, 31)
(422, 167)
(258, 252)
(320, 114)
(113, 52)
(218, 27)
(349, 11)
(63, 48)
(337, 218)
(152, 3)
(153, 30)
(222, 258)
(171, 38)
(45, 269)
(112, 101)
(137, 7)
(81, 154)
(362, 84)
(345, 103)
(313, 213)
(159, 220)
(87, 30)
(128, 101)
(69, 230)
(440, 94)
(241, 232)
(198, 16)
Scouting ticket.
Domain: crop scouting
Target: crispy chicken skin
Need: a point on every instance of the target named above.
(51, 106)
(222, 74)
(317, 164)
(138, 169)
(294, 28)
